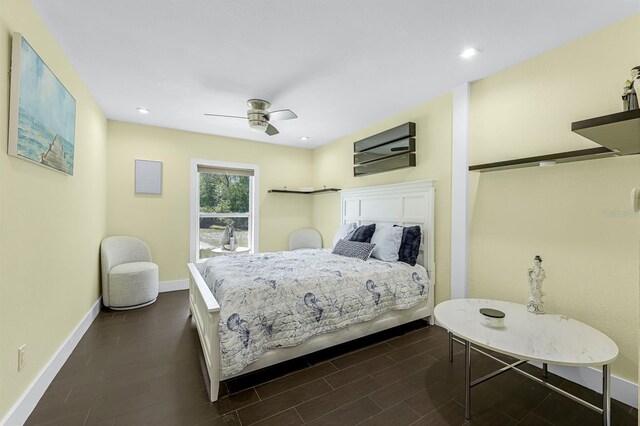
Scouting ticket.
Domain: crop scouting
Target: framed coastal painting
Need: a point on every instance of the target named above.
(42, 117)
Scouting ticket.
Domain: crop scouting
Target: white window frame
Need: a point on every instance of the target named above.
(254, 194)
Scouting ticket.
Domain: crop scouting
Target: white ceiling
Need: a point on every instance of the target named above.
(341, 65)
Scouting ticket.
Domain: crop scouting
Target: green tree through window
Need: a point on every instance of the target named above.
(222, 193)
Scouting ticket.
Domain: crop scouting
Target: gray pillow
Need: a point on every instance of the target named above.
(387, 240)
(353, 249)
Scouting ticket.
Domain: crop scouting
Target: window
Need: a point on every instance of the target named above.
(222, 195)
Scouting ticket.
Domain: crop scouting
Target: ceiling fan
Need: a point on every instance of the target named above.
(259, 117)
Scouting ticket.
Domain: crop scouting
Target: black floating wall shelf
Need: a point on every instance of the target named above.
(387, 150)
(319, 191)
(390, 150)
(561, 157)
(618, 134)
(385, 165)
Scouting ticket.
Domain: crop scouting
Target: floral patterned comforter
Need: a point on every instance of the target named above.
(272, 300)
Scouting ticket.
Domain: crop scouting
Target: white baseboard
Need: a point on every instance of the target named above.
(166, 286)
(29, 399)
(590, 377)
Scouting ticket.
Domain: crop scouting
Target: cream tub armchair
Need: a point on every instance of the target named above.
(306, 238)
(129, 278)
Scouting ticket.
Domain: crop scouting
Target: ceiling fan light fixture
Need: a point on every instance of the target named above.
(258, 125)
(258, 116)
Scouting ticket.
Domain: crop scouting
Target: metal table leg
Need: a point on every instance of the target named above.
(606, 395)
(450, 347)
(605, 411)
(545, 370)
(467, 380)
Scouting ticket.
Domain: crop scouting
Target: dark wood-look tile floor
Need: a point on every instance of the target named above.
(144, 367)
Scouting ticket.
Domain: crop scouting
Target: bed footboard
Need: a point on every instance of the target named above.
(431, 302)
(206, 315)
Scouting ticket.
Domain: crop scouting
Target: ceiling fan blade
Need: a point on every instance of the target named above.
(225, 116)
(271, 130)
(283, 114)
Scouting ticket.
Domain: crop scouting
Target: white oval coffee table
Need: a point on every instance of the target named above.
(547, 338)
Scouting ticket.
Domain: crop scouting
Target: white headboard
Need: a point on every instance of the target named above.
(407, 204)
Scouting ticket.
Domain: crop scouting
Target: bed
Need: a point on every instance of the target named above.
(258, 310)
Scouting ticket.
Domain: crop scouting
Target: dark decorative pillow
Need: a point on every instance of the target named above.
(363, 233)
(410, 245)
(353, 249)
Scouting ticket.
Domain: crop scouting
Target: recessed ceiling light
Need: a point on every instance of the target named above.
(547, 163)
(143, 110)
(469, 53)
(304, 138)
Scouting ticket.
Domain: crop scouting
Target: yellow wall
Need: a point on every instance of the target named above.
(576, 216)
(50, 224)
(163, 220)
(333, 167)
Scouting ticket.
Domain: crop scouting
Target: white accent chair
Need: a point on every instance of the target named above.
(306, 238)
(129, 279)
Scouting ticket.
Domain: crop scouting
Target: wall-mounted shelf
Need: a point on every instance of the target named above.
(561, 157)
(390, 150)
(618, 132)
(318, 191)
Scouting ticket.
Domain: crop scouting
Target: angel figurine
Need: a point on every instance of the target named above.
(536, 277)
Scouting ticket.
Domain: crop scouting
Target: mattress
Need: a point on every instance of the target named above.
(274, 300)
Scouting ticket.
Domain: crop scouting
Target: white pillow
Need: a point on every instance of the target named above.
(342, 232)
(387, 240)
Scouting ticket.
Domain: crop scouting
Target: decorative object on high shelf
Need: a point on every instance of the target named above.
(635, 80)
(628, 96)
(631, 90)
(148, 177)
(390, 150)
(42, 117)
(536, 277)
